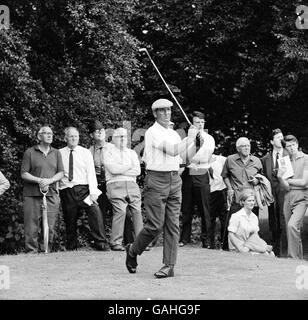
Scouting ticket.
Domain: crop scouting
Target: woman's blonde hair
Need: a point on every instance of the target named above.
(245, 194)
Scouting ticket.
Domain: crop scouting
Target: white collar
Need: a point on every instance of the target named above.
(280, 152)
(243, 213)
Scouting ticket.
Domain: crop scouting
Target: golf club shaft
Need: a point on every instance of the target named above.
(167, 86)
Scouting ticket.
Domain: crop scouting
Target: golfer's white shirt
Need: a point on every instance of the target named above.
(83, 169)
(156, 159)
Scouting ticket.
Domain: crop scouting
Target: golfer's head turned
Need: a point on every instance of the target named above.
(162, 111)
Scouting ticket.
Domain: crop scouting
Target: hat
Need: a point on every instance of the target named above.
(119, 132)
(161, 103)
(95, 125)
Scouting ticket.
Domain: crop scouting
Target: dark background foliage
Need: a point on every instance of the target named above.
(244, 64)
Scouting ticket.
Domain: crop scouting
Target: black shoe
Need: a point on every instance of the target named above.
(130, 262)
(164, 272)
(101, 247)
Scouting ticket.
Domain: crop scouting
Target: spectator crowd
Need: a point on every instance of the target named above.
(180, 174)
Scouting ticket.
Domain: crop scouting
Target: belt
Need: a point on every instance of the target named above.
(173, 173)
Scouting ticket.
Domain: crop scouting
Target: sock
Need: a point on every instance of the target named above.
(130, 252)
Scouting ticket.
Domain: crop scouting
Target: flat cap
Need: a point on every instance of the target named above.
(161, 103)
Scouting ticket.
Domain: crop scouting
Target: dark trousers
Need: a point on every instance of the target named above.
(72, 202)
(33, 221)
(162, 202)
(276, 220)
(106, 209)
(234, 208)
(103, 202)
(195, 190)
(218, 206)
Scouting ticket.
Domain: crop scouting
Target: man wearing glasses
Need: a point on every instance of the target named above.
(41, 169)
(239, 173)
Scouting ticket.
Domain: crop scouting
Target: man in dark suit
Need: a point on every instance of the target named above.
(275, 210)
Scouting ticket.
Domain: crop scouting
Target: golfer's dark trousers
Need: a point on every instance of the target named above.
(218, 210)
(234, 208)
(162, 202)
(72, 202)
(195, 190)
(276, 221)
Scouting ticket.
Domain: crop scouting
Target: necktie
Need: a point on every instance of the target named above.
(70, 167)
(101, 156)
(276, 162)
(276, 165)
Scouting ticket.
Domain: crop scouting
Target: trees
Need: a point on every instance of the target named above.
(242, 63)
(64, 63)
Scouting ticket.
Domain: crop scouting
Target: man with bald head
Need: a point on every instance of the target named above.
(78, 190)
(238, 174)
(122, 168)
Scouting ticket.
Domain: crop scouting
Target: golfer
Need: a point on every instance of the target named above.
(162, 192)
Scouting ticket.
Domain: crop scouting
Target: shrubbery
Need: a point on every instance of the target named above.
(67, 62)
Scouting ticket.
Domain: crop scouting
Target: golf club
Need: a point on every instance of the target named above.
(146, 51)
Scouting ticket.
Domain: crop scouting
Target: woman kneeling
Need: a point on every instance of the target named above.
(244, 226)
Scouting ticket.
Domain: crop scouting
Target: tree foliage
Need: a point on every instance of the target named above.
(243, 63)
(65, 62)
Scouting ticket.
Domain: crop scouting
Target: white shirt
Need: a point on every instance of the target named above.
(275, 153)
(115, 159)
(243, 225)
(218, 182)
(83, 169)
(201, 160)
(156, 159)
